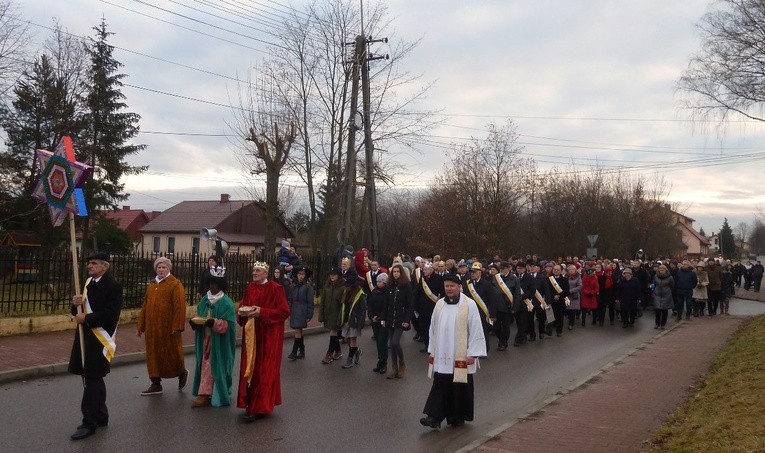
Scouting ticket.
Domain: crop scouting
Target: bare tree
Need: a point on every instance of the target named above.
(14, 40)
(726, 76)
(266, 134)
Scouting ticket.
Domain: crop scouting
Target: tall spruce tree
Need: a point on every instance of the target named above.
(727, 242)
(41, 111)
(104, 144)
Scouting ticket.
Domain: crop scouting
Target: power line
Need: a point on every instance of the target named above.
(190, 29)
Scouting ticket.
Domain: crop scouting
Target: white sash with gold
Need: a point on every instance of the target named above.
(548, 309)
(107, 340)
(460, 359)
(428, 292)
(503, 286)
(555, 284)
(477, 298)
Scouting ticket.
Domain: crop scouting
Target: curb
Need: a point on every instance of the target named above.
(42, 371)
(502, 428)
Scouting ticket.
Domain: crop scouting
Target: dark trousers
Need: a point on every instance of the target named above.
(541, 319)
(502, 326)
(713, 301)
(381, 341)
(572, 314)
(756, 282)
(93, 404)
(628, 317)
(559, 309)
(684, 302)
(661, 316)
(521, 320)
(424, 323)
(450, 400)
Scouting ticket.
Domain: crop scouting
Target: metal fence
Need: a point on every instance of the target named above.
(40, 281)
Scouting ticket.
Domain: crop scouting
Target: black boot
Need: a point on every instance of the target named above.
(293, 354)
(301, 349)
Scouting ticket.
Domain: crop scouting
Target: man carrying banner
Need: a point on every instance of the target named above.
(101, 301)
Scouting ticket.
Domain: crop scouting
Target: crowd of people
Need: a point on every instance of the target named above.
(453, 307)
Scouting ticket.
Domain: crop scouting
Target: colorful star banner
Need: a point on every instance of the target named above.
(61, 177)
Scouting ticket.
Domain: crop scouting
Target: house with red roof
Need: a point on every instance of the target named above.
(130, 221)
(696, 245)
(241, 223)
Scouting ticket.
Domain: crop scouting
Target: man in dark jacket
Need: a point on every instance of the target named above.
(628, 294)
(685, 281)
(430, 289)
(101, 303)
(714, 290)
(507, 292)
(479, 289)
(757, 272)
(522, 313)
(539, 289)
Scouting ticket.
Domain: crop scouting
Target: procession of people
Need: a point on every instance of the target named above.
(454, 307)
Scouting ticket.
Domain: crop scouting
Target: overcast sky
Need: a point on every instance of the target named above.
(584, 81)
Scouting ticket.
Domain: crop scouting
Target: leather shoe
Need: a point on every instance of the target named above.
(82, 432)
(431, 422)
(103, 423)
(501, 347)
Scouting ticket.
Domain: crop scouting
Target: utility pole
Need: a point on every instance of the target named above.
(350, 189)
(371, 195)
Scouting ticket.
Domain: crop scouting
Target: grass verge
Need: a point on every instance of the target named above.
(726, 408)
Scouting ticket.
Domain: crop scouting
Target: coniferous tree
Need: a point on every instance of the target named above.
(727, 242)
(105, 142)
(41, 111)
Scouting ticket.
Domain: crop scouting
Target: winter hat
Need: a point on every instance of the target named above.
(382, 278)
(163, 260)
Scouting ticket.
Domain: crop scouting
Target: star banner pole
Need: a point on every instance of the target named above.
(61, 177)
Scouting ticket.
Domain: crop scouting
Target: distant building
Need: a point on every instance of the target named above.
(696, 245)
(240, 223)
(130, 221)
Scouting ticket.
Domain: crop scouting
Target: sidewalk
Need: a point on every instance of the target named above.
(45, 354)
(621, 407)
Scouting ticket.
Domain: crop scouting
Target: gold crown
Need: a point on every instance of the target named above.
(260, 264)
(346, 260)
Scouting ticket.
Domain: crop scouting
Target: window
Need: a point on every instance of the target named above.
(195, 245)
(170, 245)
(155, 244)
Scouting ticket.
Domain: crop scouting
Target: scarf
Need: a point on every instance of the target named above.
(212, 298)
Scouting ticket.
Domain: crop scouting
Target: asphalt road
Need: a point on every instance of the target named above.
(325, 408)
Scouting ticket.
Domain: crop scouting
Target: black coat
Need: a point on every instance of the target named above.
(399, 307)
(425, 306)
(501, 301)
(541, 284)
(629, 293)
(562, 281)
(485, 289)
(376, 301)
(105, 297)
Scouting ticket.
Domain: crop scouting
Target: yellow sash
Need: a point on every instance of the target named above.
(433, 298)
(418, 274)
(353, 304)
(529, 305)
(503, 286)
(249, 335)
(555, 284)
(110, 346)
(370, 283)
(540, 299)
(477, 298)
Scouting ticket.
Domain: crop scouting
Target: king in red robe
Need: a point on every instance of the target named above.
(262, 314)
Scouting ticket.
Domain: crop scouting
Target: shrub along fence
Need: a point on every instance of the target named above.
(41, 281)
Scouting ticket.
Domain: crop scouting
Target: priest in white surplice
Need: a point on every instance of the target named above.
(456, 342)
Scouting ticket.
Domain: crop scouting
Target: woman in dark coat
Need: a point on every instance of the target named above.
(330, 311)
(628, 294)
(397, 317)
(300, 300)
(353, 317)
(375, 308)
(664, 286)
